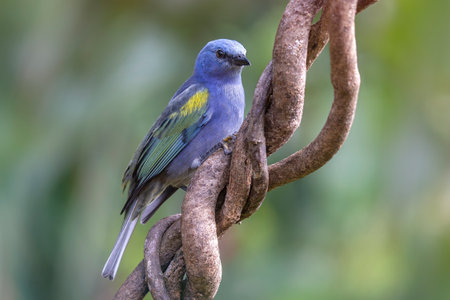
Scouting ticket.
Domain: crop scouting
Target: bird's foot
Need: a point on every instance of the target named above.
(227, 144)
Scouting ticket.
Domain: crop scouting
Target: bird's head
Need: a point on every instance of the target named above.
(221, 59)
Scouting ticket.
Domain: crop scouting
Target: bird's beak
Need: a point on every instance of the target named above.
(240, 60)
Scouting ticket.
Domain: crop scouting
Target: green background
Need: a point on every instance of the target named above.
(82, 81)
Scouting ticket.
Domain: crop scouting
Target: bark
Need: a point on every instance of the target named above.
(134, 287)
(198, 228)
(152, 263)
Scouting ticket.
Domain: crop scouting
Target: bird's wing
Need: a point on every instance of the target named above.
(179, 123)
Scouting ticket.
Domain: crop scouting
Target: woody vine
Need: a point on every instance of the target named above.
(229, 188)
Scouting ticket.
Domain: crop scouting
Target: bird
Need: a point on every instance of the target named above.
(206, 110)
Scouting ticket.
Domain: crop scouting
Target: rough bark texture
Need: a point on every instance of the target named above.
(198, 227)
(134, 287)
(152, 263)
(339, 23)
(225, 189)
(289, 72)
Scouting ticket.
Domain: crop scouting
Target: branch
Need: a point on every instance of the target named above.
(248, 186)
(134, 287)
(155, 276)
(318, 37)
(289, 72)
(345, 79)
(256, 144)
(198, 227)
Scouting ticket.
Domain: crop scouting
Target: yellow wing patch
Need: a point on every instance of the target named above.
(196, 102)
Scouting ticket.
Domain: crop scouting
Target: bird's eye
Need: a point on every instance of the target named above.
(220, 54)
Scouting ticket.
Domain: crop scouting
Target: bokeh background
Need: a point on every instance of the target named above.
(82, 81)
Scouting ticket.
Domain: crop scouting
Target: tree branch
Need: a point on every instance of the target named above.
(289, 72)
(198, 227)
(154, 274)
(134, 287)
(339, 16)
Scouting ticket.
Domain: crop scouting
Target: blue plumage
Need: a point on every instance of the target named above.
(207, 108)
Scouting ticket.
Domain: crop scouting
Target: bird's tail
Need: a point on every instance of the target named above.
(151, 208)
(112, 264)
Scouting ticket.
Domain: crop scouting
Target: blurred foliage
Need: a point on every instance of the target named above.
(82, 81)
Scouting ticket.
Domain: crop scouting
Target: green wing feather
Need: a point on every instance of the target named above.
(177, 126)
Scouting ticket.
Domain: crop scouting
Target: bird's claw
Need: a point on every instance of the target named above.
(227, 144)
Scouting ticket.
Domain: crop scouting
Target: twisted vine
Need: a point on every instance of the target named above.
(227, 189)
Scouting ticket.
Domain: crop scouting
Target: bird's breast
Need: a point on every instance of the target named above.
(228, 103)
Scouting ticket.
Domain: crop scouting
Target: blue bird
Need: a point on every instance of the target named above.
(206, 109)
